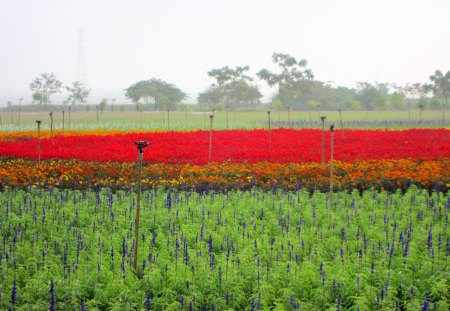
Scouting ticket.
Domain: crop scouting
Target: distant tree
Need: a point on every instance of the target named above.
(287, 81)
(44, 86)
(163, 95)
(78, 93)
(232, 87)
(211, 96)
(353, 104)
(441, 84)
(370, 95)
(397, 100)
(103, 104)
(242, 94)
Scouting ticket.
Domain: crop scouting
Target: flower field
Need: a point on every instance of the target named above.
(239, 159)
(247, 226)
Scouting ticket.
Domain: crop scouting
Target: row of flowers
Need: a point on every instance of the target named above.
(379, 174)
(238, 146)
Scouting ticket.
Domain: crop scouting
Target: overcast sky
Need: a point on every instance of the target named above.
(178, 41)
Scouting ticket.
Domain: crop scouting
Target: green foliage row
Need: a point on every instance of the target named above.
(227, 251)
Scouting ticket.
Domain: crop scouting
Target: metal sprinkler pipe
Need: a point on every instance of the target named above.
(211, 117)
(39, 140)
(331, 164)
(140, 146)
(323, 138)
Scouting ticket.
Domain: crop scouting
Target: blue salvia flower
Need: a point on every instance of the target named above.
(148, 302)
(14, 292)
(168, 201)
(83, 306)
(52, 297)
(252, 304)
(181, 306)
(430, 240)
(426, 305)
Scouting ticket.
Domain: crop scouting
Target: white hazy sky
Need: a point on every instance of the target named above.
(178, 41)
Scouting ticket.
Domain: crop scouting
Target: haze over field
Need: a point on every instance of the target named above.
(179, 41)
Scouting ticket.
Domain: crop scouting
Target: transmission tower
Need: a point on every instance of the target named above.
(82, 72)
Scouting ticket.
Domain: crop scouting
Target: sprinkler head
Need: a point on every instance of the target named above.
(141, 145)
(332, 128)
(38, 122)
(323, 118)
(211, 116)
(268, 111)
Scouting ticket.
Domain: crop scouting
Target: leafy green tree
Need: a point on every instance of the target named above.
(441, 84)
(163, 95)
(370, 95)
(286, 81)
(103, 104)
(353, 104)
(397, 100)
(44, 86)
(232, 87)
(242, 94)
(78, 93)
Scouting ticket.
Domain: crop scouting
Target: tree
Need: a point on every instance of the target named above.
(163, 95)
(370, 95)
(78, 93)
(44, 86)
(232, 88)
(287, 81)
(397, 99)
(103, 104)
(441, 84)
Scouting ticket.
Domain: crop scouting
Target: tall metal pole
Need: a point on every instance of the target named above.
(63, 119)
(340, 121)
(51, 126)
(39, 140)
(69, 116)
(211, 117)
(331, 164)
(140, 145)
(323, 138)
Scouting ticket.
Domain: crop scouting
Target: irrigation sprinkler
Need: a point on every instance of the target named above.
(310, 119)
(341, 124)
(331, 164)
(140, 146)
(51, 126)
(39, 140)
(211, 117)
(268, 115)
(63, 119)
(323, 138)
(96, 108)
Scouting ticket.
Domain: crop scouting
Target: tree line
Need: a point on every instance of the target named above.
(293, 83)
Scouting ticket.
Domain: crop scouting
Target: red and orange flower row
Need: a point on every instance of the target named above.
(240, 159)
(237, 146)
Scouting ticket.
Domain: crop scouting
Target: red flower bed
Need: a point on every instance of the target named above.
(286, 145)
